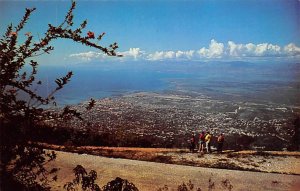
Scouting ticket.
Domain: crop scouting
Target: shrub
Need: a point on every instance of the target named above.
(86, 181)
(22, 164)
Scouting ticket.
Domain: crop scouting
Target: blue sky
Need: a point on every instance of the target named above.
(172, 30)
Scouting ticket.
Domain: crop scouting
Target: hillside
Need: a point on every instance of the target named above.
(151, 176)
(261, 161)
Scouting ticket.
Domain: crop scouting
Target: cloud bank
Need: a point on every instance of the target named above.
(215, 50)
(88, 56)
(163, 55)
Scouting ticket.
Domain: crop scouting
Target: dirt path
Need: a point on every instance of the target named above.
(151, 176)
(283, 162)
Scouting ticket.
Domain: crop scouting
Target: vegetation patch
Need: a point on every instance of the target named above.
(162, 159)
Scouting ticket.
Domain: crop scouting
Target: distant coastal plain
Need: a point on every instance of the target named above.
(236, 81)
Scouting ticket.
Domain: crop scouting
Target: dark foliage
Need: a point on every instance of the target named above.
(187, 187)
(295, 142)
(83, 180)
(21, 111)
(244, 142)
(191, 187)
(86, 181)
(211, 184)
(227, 185)
(120, 184)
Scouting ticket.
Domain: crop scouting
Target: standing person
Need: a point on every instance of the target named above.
(207, 142)
(220, 142)
(192, 143)
(201, 142)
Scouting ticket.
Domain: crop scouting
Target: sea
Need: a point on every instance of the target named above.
(236, 80)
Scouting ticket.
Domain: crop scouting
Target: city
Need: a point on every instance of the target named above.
(168, 120)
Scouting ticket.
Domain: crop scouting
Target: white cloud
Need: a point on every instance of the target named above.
(292, 50)
(133, 53)
(261, 49)
(161, 55)
(168, 55)
(252, 50)
(234, 49)
(87, 56)
(215, 50)
(273, 49)
(156, 56)
(184, 54)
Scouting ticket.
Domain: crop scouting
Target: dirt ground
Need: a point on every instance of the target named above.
(266, 161)
(150, 176)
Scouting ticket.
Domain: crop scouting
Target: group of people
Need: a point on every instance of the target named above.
(202, 142)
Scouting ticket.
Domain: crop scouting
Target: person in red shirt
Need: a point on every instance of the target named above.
(201, 142)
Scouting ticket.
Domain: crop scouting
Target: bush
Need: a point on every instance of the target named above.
(22, 164)
(86, 181)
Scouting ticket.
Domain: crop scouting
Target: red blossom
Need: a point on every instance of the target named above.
(13, 33)
(43, 43)
(90, 34)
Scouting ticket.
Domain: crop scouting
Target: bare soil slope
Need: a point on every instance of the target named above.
(264, 161)
(151, 176)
